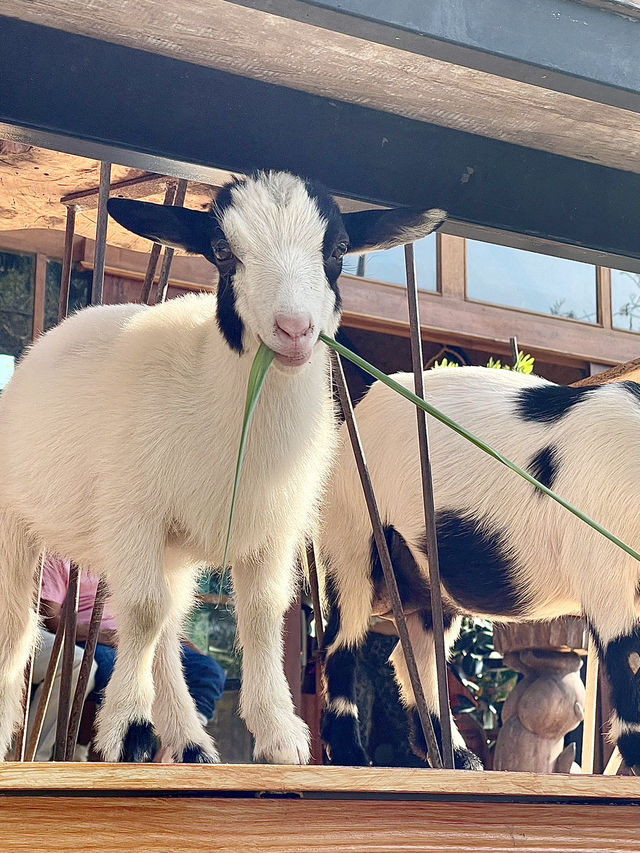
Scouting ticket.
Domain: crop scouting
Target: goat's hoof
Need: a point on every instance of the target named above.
(347, 755)
(195, 754)
(629, 746)
(464, 759)
(290, 746)
(138, 743)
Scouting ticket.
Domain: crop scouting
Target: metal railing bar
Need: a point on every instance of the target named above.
(387, 567)
(47, 688)
(85, 668)
(67, 259)
(145, 293)
(68, 656)
(437, 613)
(165, 269)
(97, 284)
(19, 748)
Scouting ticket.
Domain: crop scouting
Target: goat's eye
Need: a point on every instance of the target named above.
(340, 251)
(222, 250)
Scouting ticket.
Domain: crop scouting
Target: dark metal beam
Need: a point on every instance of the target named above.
(584, 50)
(104, 100)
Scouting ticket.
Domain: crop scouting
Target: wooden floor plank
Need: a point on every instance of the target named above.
(57, 825)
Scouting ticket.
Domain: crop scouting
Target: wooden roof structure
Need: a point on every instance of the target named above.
(413, 103)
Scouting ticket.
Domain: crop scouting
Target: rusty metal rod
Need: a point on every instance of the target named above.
(310, 564)
(387, 567)
(165, 270)
(85, 669)
(67, 262)
(97, 283)
(68, 655)
(514, 351)
(47, 688)
(145, 293)
(19, 748)
(437, 613)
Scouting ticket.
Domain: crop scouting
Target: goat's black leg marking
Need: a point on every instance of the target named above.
(622, 661)
(340, 729)
(194, 754)
(463, 758)
(138, 743)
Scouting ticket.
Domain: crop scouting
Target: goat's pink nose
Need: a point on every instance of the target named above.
(294, 326)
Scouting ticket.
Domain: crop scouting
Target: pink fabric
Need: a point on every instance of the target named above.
(55, 582)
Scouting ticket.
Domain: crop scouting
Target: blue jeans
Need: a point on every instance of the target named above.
(204, 676)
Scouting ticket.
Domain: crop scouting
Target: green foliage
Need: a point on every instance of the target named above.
(524, 363)
(483, 672)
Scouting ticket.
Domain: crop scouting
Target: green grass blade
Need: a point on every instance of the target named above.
(259, 368)
(440, 416)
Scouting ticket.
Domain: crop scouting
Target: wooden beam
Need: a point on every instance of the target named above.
(102, 778)
(39, 295)
(139, 187)
(290, 825)
(382, 307)
(260, 45)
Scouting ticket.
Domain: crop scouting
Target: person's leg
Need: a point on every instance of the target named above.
(205, 679)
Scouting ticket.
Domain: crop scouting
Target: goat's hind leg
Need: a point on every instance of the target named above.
(419, 626)
(340, 724)
(18, 620)
(621, 656)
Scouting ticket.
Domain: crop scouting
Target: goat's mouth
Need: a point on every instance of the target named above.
(293, 360)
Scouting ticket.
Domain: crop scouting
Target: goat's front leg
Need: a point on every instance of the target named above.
(142, 603)
(264, 588)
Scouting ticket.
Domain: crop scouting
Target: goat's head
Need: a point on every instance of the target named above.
(278, 243)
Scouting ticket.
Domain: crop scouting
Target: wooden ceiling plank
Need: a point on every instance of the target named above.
(250, 42)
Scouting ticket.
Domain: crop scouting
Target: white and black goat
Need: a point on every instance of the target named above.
(507, 551)
(118, 440)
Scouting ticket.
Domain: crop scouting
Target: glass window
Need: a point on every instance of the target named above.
(388, 266)
(531, 282)
(7, 365)
(17, 277)
(625, 300)
(212, 627)
(79, 292)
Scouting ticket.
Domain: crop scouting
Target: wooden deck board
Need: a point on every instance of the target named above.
(55, 824)
(132, 778)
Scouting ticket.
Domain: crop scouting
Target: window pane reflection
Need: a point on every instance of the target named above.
(532, 282)
(17, 274)
(625, 300)
(388, 266)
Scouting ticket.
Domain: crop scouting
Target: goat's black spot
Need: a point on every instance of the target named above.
(138, 744)
(475, 566)
(334, 234)
(341, 736)
(549, 403)
(629, 746)
(340, 673)
(229, 321)
(412, 585)
(463, 759)
(632, 388)
(194, 754)
(544, 467)
(625, 684)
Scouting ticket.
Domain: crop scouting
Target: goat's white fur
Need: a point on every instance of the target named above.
(118, 442)
(564, 566)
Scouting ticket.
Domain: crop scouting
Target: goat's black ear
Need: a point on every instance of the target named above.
(178, 227)
(384, 229)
